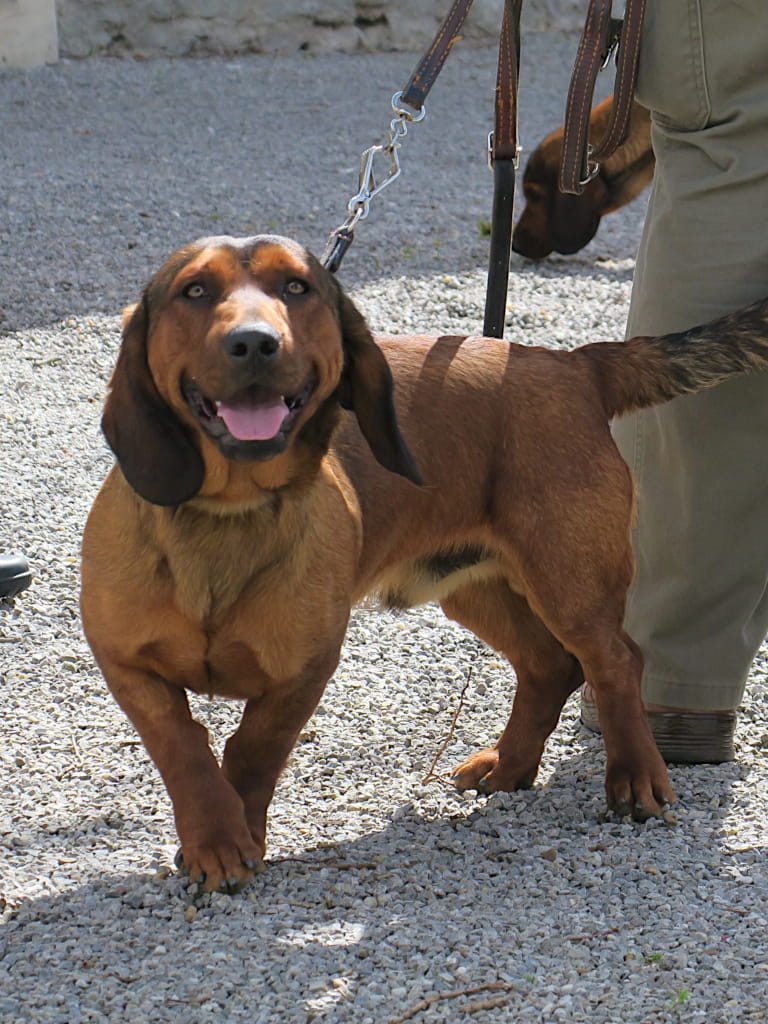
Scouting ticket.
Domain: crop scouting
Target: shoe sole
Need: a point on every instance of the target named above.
(11, 586)
(683, 737)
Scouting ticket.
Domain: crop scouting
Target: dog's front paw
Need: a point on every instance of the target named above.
(221, 860)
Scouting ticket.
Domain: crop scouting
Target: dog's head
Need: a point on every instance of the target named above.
(242, 350)
(552, 220)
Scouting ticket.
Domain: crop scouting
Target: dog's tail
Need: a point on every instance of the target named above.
(647, 371)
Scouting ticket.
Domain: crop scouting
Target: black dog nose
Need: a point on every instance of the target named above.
(251, 343)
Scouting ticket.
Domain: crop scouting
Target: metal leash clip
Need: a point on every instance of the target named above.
(615, 26)
(368, 187)
(489, 153)
(593, 167)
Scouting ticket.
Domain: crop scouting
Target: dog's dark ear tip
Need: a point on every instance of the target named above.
(414, 475)
(403, 464)
(169, 495)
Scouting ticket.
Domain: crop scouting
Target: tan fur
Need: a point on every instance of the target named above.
(409, 584)
(229, 568)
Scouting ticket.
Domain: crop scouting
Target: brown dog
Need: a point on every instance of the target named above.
(553, 220)
(225, 551)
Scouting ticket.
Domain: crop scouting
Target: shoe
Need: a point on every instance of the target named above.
(683, 737)
(14, 575)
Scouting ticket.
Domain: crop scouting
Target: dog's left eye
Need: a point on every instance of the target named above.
(195, 291)
(296, 287)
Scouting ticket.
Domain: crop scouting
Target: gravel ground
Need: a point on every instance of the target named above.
(381, 892)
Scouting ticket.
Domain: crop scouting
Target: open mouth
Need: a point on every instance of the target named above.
(254, 422)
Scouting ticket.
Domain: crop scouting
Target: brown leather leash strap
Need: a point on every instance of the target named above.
(431, 64)
(503, 151)
(601, 36)
(413, 95)
(503, 154)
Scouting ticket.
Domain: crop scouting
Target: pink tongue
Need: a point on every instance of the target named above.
(251, 421)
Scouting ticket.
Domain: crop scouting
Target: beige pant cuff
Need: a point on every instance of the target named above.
(695, 695)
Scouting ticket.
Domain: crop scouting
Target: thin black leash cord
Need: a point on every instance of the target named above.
(503, 151)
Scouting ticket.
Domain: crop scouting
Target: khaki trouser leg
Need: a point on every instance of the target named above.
(699, 605)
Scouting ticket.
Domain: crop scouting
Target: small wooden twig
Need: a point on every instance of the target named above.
(457, 993)
(76, 748)
(485, 1004)
(431, 776)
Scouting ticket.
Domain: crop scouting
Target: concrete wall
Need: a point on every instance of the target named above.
(27, 33)
(190, 27)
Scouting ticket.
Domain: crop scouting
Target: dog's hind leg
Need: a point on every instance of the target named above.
(546, 676)
(587, 618)
(636, 779)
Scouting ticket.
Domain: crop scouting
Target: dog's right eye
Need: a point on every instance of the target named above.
(195, 291)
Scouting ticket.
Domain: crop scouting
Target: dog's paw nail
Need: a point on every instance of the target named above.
(623, 809)
(178, 860)
(255, 864)
(668, 816)
(640, 812)
(483, 786)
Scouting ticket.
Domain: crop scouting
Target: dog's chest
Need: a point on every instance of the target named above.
(209, 664)
(239, 651)
(211, 563)
(251, 605)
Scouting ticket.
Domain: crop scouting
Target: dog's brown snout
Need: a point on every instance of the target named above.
(252, 344)
(530, 247)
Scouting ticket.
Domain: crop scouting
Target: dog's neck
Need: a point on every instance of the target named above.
(262, 510)
(234, 489)
(207, 564)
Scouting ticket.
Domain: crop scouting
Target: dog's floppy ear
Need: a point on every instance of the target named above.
(366, 387)
(574, 220)
(157, 453)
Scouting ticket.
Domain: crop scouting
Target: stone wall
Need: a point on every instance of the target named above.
(27, 33)
(152, 28)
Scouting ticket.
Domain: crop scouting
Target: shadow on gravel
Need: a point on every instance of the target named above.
(530, 892)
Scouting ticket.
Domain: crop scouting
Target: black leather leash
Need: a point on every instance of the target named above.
(503, 156)
(503, 151)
